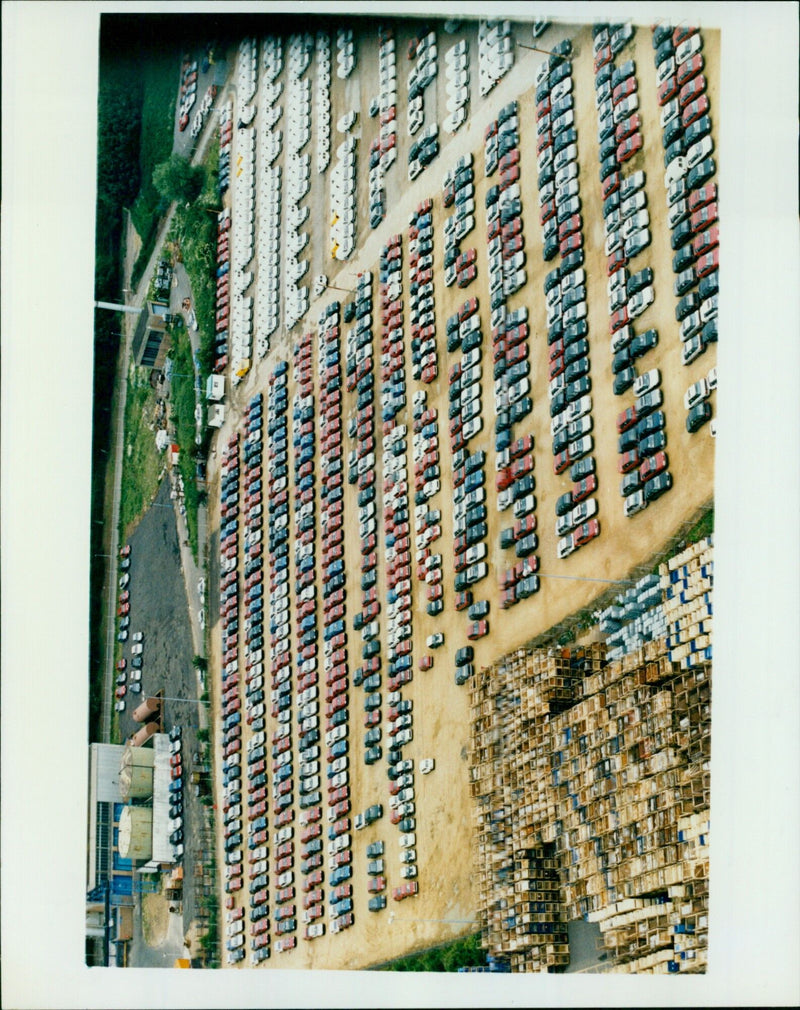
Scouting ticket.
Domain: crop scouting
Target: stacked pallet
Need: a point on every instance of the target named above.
(591, 786)
(688, 583)
(636, 617)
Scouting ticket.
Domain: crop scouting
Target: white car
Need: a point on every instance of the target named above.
(688, 48)
(640, 301)
(407, 841)
(696, 153)
(644, 383)
(566, 545)
(676, 170)
(695, 393)
(634, 503)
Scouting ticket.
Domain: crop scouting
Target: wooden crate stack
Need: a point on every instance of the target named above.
(591, 787)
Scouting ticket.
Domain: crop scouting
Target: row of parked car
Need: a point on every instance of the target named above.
(458, 188)
(187, 91)
(565, 294)
(642, 434)
(456, 60)
(322, 96)
(237, 314)
(495, 53)
(422, 308)
(383, 150)
(424, 52)
(691, 194)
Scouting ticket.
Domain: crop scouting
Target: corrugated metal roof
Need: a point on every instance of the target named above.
(162, 849)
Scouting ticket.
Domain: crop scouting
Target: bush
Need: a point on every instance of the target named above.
(178, 180)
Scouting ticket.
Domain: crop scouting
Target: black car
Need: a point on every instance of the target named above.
(581, 468)
(652, 444)
(683, 258)
(624, 380)
(657, 485)
(698, 129)
(643, 343)
(673, 132)
(697, 416)
(580, 387)
(564, 139)
(688, 304)
(639, 280)
(621, 361)
(558, 402)
(377, 903)
(625, 70)
(608, 167)
(700, 174)
(681, 235)
(709, 285)
(564, 503)
(627, 440)
(630, 482)
(580, 349)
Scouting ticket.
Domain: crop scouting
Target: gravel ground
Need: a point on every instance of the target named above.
(162, 614)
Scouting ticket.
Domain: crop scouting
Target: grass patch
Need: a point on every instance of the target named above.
(160, 83)
(141, 462)
(193, 238)
(462, 953)
(702, 529)
(182, 413)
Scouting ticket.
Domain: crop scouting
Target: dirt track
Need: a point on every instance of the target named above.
(446, 903)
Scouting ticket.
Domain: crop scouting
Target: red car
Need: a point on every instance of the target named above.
(655, 464)
(121, 664)
(627, 127)
(510, 158)
(705, 216)
(405, 890)
(583, 489)
(700, 197)
(667, 90)
(571, 243)
(627, 419)
(477, 629)
(544, 140)
(603, 57)
(586, 532)
(708, 262)
(628, 461)
(510, 175)
(682, 33)
(694, 111)
(467, 309)
(466, 258)
(622, 90)
(568, 227)
(618, 320)
(610, 184)
(691, 68)
(557, 366)
(629, 147)
(561, 462)
(376, 885)
(616, 260)
(692, 90)
(467, 276)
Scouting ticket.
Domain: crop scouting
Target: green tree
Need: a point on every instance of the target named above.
(177, 179)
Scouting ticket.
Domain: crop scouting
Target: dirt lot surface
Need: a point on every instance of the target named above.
(446, 903)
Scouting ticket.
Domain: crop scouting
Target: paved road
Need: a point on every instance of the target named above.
(112, 524)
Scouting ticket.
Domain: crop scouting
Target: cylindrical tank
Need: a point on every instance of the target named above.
(143, 735)
(149, 708)
(136, 773)
(136, 833)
